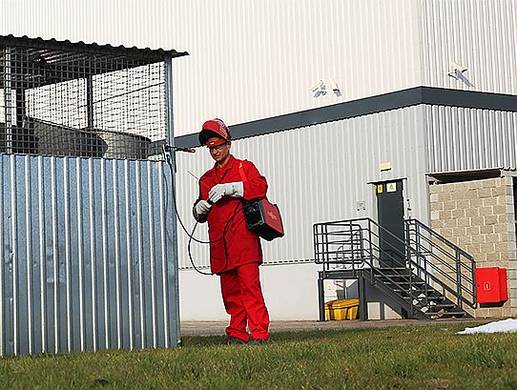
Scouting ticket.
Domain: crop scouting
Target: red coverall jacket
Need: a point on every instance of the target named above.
(242, 245)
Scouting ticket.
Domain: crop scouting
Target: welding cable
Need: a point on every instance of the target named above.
(176, 211)
(189, 249)
(169, 163)
(223, 237)
(191, 235)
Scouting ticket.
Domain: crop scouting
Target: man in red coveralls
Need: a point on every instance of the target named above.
(235, 252)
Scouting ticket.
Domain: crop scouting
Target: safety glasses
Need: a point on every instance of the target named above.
(217, 147)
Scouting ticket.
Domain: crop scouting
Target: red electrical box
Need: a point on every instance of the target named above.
(491, 285)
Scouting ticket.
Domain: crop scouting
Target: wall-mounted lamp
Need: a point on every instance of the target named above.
(319, 89)
(322, 87)
(456, 71)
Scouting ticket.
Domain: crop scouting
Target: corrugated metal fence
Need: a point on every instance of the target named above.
(86, 260)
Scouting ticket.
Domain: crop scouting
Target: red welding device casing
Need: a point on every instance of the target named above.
(264, 218)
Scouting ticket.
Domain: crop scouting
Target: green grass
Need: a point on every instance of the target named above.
(423, 357)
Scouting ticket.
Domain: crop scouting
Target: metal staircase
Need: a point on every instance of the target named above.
(429, 276)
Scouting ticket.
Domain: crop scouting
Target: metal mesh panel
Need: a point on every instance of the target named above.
(67, 103)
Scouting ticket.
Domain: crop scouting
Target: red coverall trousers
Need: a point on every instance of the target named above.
(235, 251)
(244, 303)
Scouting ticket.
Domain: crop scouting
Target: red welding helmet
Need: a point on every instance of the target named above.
(214, 128)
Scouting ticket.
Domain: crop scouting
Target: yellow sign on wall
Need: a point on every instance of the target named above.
(379, 188)
(385, 166)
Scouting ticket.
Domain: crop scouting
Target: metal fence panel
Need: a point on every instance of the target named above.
(86, 259)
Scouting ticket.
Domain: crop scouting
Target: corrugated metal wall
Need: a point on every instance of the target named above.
(251, 60)
(463, 139)
(320, 173)
(86, 258)
(248, 59)
(479, 34)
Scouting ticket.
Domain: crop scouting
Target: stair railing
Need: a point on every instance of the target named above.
(442, 262)
(338, 242)
(427, 256)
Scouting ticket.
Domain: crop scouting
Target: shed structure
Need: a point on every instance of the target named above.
(87, 233)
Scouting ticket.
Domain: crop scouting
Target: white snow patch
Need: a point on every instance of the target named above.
(509, 325)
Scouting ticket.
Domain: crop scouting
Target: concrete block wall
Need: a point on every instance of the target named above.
(479, 217)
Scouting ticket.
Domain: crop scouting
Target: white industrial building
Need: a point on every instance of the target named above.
(327, 98)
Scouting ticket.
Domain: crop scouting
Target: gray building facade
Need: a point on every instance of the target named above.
(323, 164)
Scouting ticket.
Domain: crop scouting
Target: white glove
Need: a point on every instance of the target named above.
(235, 189)
(202, 207)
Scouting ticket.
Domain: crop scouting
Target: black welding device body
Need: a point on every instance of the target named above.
(264, 218)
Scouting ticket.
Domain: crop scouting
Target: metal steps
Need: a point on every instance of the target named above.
(418, 281)
(418, 297)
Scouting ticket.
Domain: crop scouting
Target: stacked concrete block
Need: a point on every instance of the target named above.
(479, 217)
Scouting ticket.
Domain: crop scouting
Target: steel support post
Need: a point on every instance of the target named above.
(173, 268)
(321, 296)
(8, 102)
(363, 302)
(89, 101)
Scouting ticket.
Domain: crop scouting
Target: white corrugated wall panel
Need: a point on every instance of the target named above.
(464, 139)
(319, 173)
(248, 60)
(478, 34)
(251, 60)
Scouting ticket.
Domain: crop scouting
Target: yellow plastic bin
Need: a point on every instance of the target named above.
(341, 309)
(327, 310)
(353, 311)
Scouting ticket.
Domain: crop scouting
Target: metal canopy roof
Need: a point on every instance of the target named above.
(152, 55)
(50, 61)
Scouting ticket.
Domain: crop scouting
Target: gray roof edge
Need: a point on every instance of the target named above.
(366, 106)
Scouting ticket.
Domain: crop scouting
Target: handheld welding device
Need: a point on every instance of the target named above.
(263, 217)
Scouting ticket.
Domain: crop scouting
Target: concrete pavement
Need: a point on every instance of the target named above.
(216, 328)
